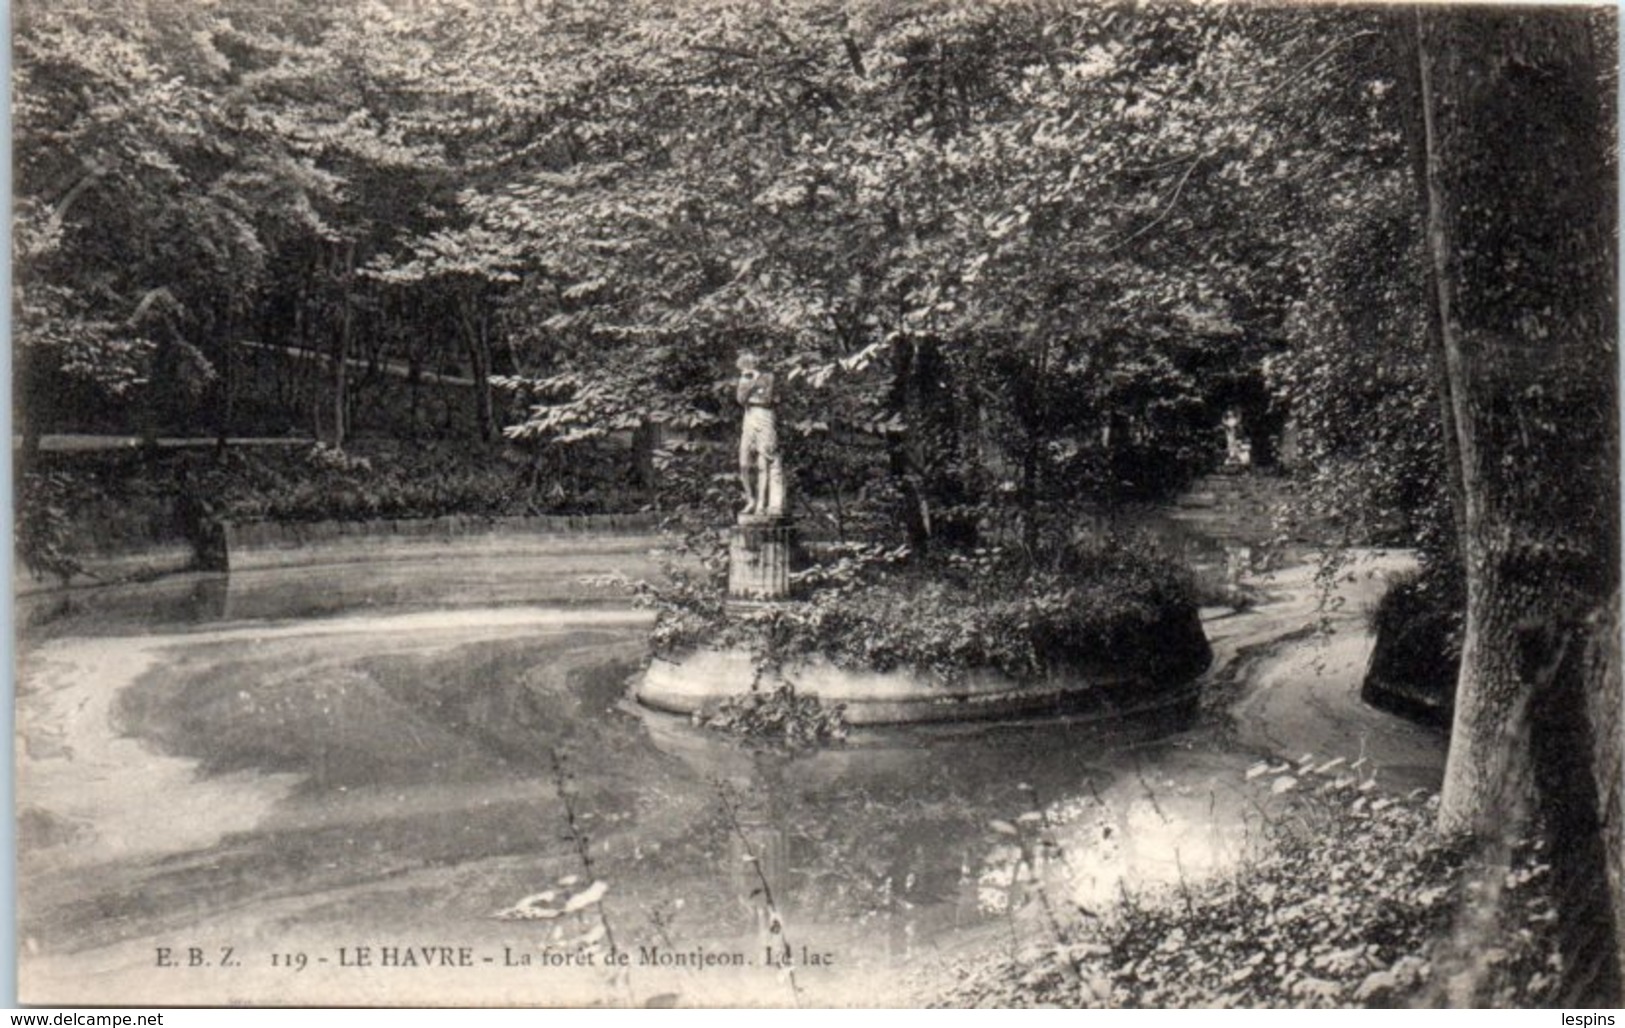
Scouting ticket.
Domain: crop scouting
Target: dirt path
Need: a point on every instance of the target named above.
(1288, 671)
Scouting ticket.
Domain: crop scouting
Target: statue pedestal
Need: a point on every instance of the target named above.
(759, 558)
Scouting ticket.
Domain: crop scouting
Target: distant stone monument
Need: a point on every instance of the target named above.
(1238, 451)
(759, 548)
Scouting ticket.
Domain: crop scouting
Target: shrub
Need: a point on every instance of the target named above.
(368, 480)
(1111, 603)
(780, 715)
(42, 525)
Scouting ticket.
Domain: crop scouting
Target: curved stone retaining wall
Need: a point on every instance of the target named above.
(700, 680)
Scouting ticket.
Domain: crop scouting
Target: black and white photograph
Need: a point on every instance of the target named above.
(816, 504)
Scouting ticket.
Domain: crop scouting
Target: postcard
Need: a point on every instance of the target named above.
(841, 503)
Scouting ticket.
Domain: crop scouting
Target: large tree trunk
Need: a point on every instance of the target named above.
(1521, 211)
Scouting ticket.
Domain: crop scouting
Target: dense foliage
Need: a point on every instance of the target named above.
(121, 500)
(1009, 258)
(1116, 603)
(44, 546)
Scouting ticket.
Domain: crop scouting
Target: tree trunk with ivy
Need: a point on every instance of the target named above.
(1517, 129)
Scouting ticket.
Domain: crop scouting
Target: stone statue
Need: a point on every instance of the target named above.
(1238, 450)
(761, 474)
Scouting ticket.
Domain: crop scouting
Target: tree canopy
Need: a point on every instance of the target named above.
(1004, 254)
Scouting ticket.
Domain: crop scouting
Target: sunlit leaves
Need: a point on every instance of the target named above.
(1073, 208)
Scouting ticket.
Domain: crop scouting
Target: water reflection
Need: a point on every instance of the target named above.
(282, 594)
(407, 721)
(910, 833)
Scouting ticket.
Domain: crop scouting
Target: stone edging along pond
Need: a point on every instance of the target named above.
(262, 544)
(699, 680)
(250, 545)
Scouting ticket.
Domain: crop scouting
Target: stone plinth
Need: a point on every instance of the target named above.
(759, 558)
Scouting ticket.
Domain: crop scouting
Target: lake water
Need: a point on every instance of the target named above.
(350, 776)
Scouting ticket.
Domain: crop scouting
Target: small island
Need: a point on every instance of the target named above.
(1103, 626)
(1111, 670)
